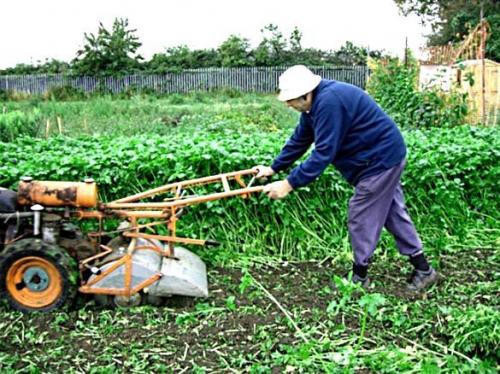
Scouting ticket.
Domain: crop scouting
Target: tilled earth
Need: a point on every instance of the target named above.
(267, 318)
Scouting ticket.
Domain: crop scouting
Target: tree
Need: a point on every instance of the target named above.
(174, 58)
(114, 52)
(234, 51)
(272, 49)
(109, 52)
(181, 57)
(350, 54)
(51, 66)
(452, 20)
(295, 41)
(205, 58)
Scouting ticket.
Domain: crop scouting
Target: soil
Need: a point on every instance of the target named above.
(211, 332)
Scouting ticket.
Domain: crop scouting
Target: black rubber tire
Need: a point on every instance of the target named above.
(66, 266)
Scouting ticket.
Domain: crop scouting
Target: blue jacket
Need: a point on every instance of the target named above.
(349, 130)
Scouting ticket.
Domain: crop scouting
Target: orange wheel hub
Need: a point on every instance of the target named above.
(34, 282)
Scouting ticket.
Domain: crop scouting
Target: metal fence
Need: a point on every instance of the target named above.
(253, 79)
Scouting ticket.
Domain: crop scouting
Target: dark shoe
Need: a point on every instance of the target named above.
(420, 280)
(364, 282)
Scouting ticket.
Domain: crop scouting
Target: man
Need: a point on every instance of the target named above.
(350, 131)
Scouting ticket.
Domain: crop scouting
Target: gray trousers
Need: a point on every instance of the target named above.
(378, 202)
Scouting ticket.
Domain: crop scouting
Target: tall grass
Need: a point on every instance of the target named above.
(112, 116)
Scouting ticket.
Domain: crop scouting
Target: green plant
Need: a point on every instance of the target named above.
(452, 174)
(61, 93)
(231, 303)
(109, 52)
(475, 330)
(346, 289)
(16, 124)
(245, 282)
(370, 304)
(394, 86)
(4, 95)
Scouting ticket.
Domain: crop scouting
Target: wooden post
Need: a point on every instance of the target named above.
(483, 67)
(406, 52)
(59, 124)
(47, 128)
(85, 126)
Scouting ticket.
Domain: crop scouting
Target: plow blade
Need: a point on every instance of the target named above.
(184, 274)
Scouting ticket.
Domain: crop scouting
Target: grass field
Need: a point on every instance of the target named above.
(277, 299)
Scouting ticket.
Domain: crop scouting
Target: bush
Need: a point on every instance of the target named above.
(17, 124)
(4, 95)
(176, 99)
(228, 92)
(10, 95)
(62, 93)
(394, 86)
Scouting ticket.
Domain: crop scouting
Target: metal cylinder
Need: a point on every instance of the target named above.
(37, 210)
(47, 193)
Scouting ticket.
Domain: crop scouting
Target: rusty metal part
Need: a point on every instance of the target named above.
(84, 264)
(120, 291)
(84, 214)
(47, 193)
(166, 238)
(236, 175)
(127, 290)
(185, 202)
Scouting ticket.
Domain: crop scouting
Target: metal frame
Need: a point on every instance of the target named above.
(169, 210)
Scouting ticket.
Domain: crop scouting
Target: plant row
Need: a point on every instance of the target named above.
(451, 183)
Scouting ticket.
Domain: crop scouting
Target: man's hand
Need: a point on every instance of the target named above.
(263, 171)
(278, 190)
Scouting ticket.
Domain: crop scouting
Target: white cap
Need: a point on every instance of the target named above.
(297, 81)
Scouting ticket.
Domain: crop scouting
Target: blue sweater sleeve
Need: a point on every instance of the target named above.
(330, 124)
(295, 147)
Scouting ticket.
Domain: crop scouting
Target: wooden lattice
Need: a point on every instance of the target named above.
(470, 48)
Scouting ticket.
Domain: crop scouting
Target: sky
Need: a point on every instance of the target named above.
(34, 30)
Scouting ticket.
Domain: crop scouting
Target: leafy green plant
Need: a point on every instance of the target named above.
(16, 124)
(370, 304)
(4, 95)
(109, 52)
(394, 86)
(245, 282)
(346, 289)
(475, 330)
(231, 303)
